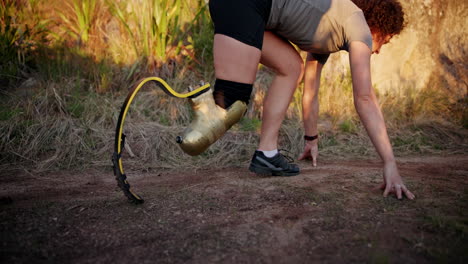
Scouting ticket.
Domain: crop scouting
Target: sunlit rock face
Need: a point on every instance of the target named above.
(431, 51)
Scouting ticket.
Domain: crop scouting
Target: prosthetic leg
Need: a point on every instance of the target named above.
(209, 124)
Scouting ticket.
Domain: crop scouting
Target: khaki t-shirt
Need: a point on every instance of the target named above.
(320, 27)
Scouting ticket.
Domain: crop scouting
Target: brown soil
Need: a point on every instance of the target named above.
(327, 214)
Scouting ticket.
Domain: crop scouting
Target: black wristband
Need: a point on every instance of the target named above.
(310, 138)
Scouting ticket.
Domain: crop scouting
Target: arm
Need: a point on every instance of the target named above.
(366, 102)
(369, 112)
(310, 106)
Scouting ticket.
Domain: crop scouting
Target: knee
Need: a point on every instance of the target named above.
(293, 68)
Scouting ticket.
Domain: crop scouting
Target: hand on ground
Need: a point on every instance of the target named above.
(310, 151)
(393, 184)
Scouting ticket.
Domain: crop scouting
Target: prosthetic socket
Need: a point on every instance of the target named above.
(209, 124)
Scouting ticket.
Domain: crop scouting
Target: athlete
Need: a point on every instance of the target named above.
(248, 32)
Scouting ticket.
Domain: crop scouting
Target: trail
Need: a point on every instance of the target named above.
(330, 214)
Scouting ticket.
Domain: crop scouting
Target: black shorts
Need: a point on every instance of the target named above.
(243, 20)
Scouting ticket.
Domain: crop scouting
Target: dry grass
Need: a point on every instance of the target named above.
(52, 125)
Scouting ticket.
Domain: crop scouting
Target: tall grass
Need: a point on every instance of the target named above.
(113, 43)
(22, 30)
(157, 27)
(156, 30)
(81, 19)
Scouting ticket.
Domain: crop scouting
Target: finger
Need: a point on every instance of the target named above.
(387, 190)
(398, 191)
(408, 194)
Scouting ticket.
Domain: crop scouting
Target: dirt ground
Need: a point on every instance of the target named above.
(328, 214)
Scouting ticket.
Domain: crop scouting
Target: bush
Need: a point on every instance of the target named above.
(21, 30)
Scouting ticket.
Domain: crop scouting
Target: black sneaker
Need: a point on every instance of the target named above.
(277, 165)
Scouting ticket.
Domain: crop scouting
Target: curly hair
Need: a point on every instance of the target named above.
(383, 16)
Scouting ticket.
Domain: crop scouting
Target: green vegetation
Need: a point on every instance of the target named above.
(79, 24)
(247, 124)
(66, 67)
(21, 32)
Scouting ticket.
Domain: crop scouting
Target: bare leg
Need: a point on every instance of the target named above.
(288, 65)
(234, 60)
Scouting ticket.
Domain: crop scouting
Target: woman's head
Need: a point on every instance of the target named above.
(384, 17)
